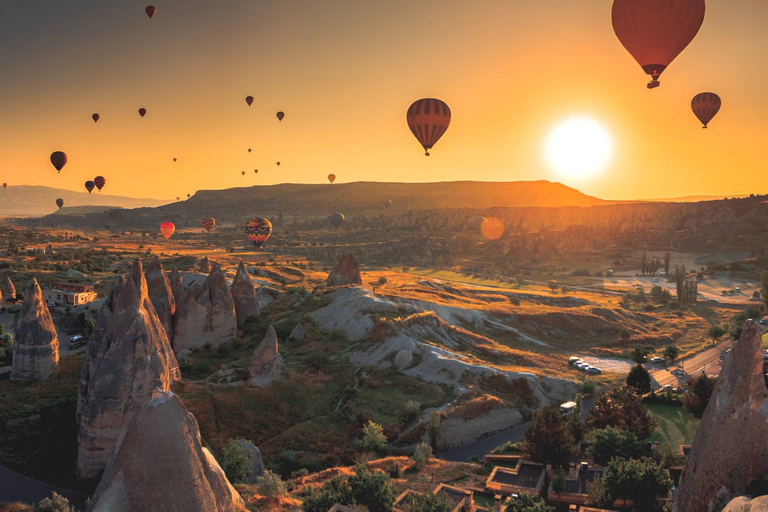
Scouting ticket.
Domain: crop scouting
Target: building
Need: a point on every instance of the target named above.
(526, 476)
(576, 493)
(72, 294)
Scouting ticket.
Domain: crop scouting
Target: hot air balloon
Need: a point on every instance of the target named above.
(209, 223)
(388, 203)
(258, 231)
(95, 118)
(59, 202)
(255, 171)
(59, 160)
(178, 198)
(280, 115)
(249, 100)
(142, 112)
(167, 229)
(477, 222)
(249, 150)
(278, 164)
(99, 181)
(5, 185)
(428, 120)
(89, 186)
(174, 160)
(331, 178)
(654, 32)
(336, 219)
(706, 105)
(150, 10)
(243, 173)
(189, 195)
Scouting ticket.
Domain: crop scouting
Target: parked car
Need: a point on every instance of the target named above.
(713, 300)
(655, 280)
(656, 360)
(582, 366)
(737, 289)
(594, 370)
(572, 360)
(77, 341)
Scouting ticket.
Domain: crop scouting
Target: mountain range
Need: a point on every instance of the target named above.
(36, 201)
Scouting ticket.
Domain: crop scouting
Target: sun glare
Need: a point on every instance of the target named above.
(579, 149)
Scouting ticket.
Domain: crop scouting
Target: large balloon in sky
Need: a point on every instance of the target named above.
(89, 186)
(150, 10)
(209, 223)
(706, 105)
(258, 231)
(99, 181)
(167, 229)
(654, 32)
(336, 219)
(280, 115)
(428, 120)
(249, 100)
(142, 112)
(59, 202)
(95, 118)
(331, 178)
(59, 160)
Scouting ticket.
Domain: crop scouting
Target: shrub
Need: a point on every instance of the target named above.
(270, 485)
(638, 480)
(373, 438)
(409, 412)
(56, 503)
(382, 281)
(528, 503)
(372, 489)
(236, 462)
(422, 454)
(428, 502)
(506, 449)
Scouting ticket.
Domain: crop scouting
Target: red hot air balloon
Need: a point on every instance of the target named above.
(150, 10)
(95, 118)
(89, 186)
(249, 100)
(706, 105)
(258, 231)
(59, 202)
(280, 115)
(174, 160)
(331, 178)
(5, 185)
(654, 32)
(59, 160)
(428, 120)
(167, 229)
(142, 112)
(209, 223)
(99, 181)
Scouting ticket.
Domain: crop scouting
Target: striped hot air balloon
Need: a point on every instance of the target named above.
(99, 181)
(258, 231)
(706, 105)
(209, 223)
(428, 119)
(167, 229)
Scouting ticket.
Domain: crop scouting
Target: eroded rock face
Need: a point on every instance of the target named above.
(161, 295)
(127, 358)
(745, 504)
(36, 345)
(205, 314)
(177, 285)
(7, 290)
(267, 363)
(297, 334)
(346, 272)
(257, 463)
(160, 464)
(730, 451)
(244, 296)
(205, 265)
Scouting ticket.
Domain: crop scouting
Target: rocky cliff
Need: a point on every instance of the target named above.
(244, 295)
(127, 358)
(36, 345)
(345, 273)
(161, 295)
(177, 285)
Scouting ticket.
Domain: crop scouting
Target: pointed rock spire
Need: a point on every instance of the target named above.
(177, 285)
(205, 265)
(36, 345)
(346, 272)
(161, 295)
(244, 295)
(7, 290)
(267, 363)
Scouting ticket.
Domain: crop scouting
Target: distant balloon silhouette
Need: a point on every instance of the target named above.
(336, 219)
(59, 160)
(189, 195)
(150, 10)
(278, 164)
(99, 181)
(249, 150)
(209, 223)
(706, 105)
(89, 186)
(258, 231)
(174, 159)
(167, 229)
(243, 173)
(5, 185)
(476, 222)
(331, 178)
(249, 100)
(59, 202)
(178, 198)
(428, 120)
(255, 171)
(142, 112)
(95, 118)
(655, 32)
(280, 115)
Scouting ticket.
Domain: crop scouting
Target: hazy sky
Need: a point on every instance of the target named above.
(345, 71)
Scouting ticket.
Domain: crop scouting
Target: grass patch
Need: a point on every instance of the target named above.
(676, 426)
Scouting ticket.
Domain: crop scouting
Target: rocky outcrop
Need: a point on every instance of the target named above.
(205, 314)
(297, 334)
(127, 358)
(267, 363)
(205, 265)
(36, 345)
(177, 285)
(244, 296)
(403, 359)
(745, 504)
(257, 463)
(346, 272)
(161, 295)
(7, 290)
(730, 451)
(160, 464)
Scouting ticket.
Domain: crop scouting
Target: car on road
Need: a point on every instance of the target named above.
(572, 360)
(594, 370)
(567, 408)
(765, 356)
(655, 280)
(737, 289)
(713, 300)
(76, 341)
(656, 360)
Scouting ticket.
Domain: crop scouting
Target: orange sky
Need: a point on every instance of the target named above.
(345, 72)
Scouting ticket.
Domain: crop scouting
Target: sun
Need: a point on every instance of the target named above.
(579, 149)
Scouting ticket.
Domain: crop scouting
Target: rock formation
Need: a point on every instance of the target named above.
(267, 363)
(161, 295)
(257, 463)
(205, 314)
(127, 358)
(730, 451)
(244, 295)
(346, 272)
(744, 504)
(403, 359)
(160, 464)
(205, 265)
(36, 345)
(7, 290)
(297, 334)
(177, 285)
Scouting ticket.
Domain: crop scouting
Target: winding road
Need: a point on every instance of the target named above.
(15, 487)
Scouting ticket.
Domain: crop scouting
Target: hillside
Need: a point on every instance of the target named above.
(35, 201)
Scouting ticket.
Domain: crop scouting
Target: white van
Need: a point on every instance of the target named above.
(567, 408)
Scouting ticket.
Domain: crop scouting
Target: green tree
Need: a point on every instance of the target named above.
(680, 283)
(421, 455)
(547, 438)
(641, 481)
(660, 294)
(671, 353)
(321, 499)
(428, 502)
(528, 503)
(553, 285)
(622, 408)
(611, 442)
(624, 334)
(597, 494)
(270, 485)
(373, 438)
(575, 424)
(372, 489)
(639, 355)
(697, 398)
(640, 379)
(235, 461)
(716, 331)
(434, 429)
(558, 482)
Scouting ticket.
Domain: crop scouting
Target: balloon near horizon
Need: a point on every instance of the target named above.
(578, 149)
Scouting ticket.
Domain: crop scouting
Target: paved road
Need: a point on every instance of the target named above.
(484, 446)
(15, 487)
(705, 361)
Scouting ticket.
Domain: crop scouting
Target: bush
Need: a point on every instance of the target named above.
(372, 489)
(409, 412)
(660, 294)
(528, 503)
(611, 442)
(507, 448)
(428, 502)
(421, 455)
(638, 480)
(56, 503)
(270, 485)
(236, 462)
(373, 438)
(640, 379)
